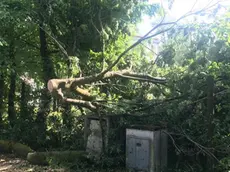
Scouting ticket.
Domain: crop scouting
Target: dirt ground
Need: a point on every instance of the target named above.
(9, 163)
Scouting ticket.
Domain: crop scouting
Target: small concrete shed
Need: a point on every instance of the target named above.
(146, 149)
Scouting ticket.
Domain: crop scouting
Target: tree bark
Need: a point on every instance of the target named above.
(210, 117)
(48, 73)
(46, 67)
(72, 83)
(11, 94)
(23, 101)
(56, 86)
(2, 86)
(210, 106)
(11, 98)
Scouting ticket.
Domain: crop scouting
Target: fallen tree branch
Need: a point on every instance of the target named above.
(202, 148)
(205, 150)
(72, 83)
(82, 103)
(57, 86)
(174, 142)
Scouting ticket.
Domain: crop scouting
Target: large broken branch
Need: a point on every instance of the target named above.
(57, 86)
(82, 103)
(72, 83)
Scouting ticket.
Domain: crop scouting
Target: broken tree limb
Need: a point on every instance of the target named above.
(55, 84)
(82, 103)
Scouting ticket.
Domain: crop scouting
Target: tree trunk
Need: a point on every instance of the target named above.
(23, 102)
(11, 94)
(11, 99)
(48, 68)
(48, 73)
(210, 117)
(2, 86)
(210, 106)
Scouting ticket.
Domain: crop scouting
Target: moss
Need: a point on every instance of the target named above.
(37, 158)
(5, 146)
(21, 150)
(69, 156)
(43, 158)
(18, 149)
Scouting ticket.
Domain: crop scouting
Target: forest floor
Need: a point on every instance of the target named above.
(10, 163)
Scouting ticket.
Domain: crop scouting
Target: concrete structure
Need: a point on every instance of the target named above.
(93, 135)
(146, 150)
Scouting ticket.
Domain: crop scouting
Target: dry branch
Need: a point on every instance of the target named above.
(72, 83)
(57, 86)
(82, 103)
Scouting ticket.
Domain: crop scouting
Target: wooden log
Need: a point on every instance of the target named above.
(18, 149)
(21, 150)
(5, 146)
(44, 158)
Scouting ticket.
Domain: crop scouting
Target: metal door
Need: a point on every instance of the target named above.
(138, 153)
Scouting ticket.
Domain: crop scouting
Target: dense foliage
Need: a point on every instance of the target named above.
(43, 39)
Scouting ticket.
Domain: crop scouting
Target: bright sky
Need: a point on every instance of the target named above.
(179, 8)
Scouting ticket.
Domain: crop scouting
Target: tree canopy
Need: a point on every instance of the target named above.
(61, 60)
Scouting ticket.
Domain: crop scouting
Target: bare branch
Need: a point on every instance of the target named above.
(194, 5)
(173, 141)
(95, 26)
(72, 83)
(131, 47)
(82, 103)
(202, 148)
(58, 43)
(149, 49)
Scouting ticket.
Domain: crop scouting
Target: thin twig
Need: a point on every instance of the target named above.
(149, 48)
(145, 37)
(204, 149)
(174, 142)
(57, 42)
